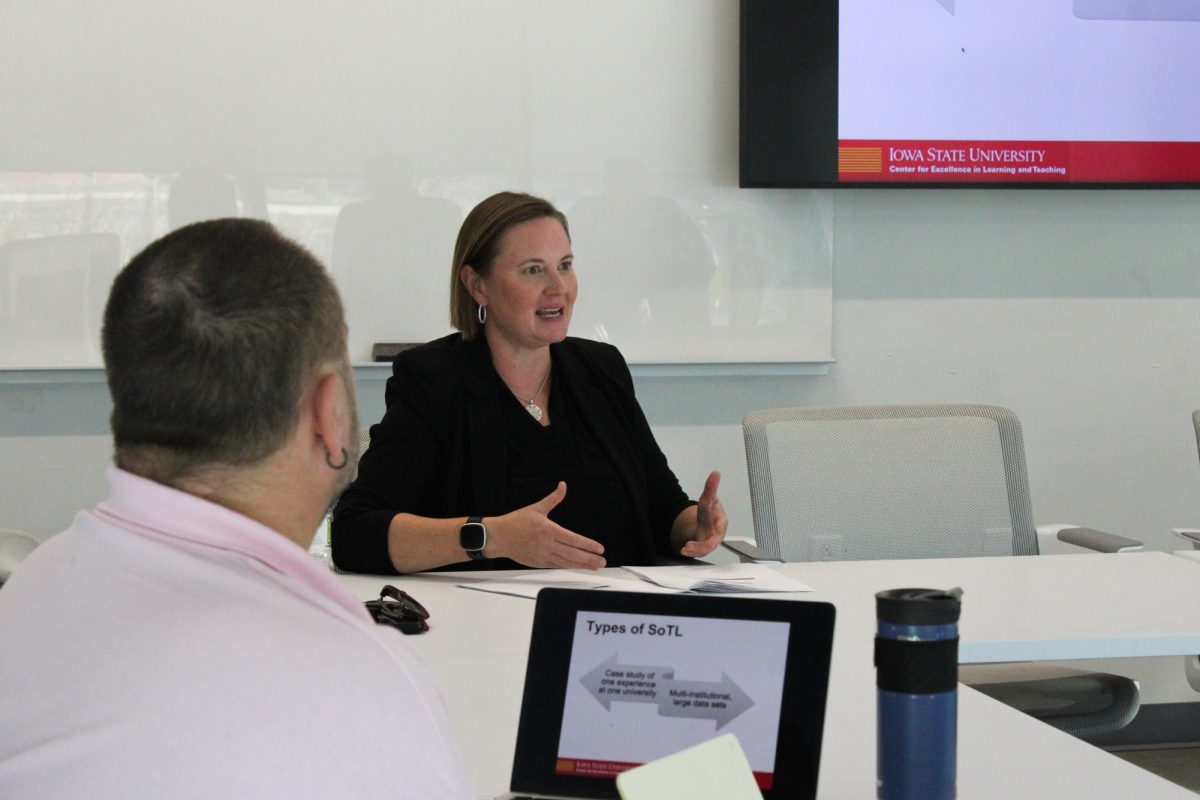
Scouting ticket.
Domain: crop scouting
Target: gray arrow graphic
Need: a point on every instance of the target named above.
(628, 682)
(721, 701)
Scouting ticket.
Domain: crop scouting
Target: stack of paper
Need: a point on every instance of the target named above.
(716, 578)
(720, 578)
(528, 584)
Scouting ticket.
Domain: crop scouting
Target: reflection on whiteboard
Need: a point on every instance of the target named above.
(707, 276)
(52, 295)
(363, 132)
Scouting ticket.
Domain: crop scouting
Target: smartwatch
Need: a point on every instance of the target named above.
(472, 537)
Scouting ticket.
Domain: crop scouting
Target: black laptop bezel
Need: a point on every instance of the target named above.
(802, 711)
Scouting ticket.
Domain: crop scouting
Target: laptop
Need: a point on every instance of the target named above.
(618, 679)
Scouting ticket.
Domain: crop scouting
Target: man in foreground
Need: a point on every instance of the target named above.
(178, 640)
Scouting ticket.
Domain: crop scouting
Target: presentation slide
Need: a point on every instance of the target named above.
(1066, 91)
(641, 687)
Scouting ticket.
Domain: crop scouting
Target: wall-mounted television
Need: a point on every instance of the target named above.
(1019, 93)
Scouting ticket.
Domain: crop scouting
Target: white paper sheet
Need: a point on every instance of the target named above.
(528, 584)
(720, 578)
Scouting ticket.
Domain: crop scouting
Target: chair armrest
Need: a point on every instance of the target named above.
(14, 547)
(1191, 668)
(1191, 664)
(748, 552)
(1056, 539)
(1192, 535)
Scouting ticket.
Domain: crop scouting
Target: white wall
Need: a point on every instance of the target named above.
(1075, 308)
(1079, 310)
(367, 131)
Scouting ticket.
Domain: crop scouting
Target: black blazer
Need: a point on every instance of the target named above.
(440, 451)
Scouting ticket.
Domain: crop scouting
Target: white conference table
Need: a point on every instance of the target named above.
(1016, 608)
(1190, 555)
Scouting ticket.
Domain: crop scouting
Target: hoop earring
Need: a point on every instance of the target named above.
(482, 314)
(345, 460)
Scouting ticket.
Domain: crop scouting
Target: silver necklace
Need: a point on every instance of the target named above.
(533, 408)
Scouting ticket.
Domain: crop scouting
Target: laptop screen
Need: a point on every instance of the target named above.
(618, 679)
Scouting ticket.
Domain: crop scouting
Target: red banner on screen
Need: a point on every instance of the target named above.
(963, 161)
(591, 767)
(596, 768)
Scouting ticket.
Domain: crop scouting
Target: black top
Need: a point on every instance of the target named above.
(597, 505)
(454, 442)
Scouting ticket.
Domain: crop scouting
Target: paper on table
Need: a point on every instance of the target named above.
(716, 768)
(720, 578)
(528, 584)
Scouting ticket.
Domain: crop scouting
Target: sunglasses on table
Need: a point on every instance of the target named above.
(399, 609)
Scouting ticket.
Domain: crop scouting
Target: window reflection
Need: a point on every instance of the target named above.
(673, 272)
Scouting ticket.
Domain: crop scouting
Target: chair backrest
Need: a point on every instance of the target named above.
(880, 482)
(364, 441)
(1192, 663)
(15, 545)
(1196, 427)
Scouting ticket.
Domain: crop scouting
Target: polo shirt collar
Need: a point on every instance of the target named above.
(156, 511)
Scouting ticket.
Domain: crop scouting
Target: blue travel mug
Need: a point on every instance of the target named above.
(916, 675)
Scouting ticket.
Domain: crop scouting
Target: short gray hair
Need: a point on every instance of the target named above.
(211, 335)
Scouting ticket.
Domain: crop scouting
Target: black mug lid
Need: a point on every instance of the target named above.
(919, 606)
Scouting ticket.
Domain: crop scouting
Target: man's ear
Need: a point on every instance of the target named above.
(331, 414)
(475, 283)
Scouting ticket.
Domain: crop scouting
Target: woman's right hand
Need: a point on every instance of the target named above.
(529, 537)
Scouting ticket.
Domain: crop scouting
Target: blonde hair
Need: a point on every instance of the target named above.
(478, 244)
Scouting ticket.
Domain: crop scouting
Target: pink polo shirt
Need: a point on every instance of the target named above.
(166, 646)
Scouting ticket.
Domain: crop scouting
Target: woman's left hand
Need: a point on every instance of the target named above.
(710, 521)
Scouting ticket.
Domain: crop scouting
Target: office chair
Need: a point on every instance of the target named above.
(923, 481)
(320, 542)
(364, 441)
(1192, 535)
(15, 545)
(1191, 664)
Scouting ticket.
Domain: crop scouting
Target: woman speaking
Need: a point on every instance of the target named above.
(509, 443)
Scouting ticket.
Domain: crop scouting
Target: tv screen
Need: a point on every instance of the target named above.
(1020, 93)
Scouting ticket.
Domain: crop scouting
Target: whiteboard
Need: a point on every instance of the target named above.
(367, 130)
